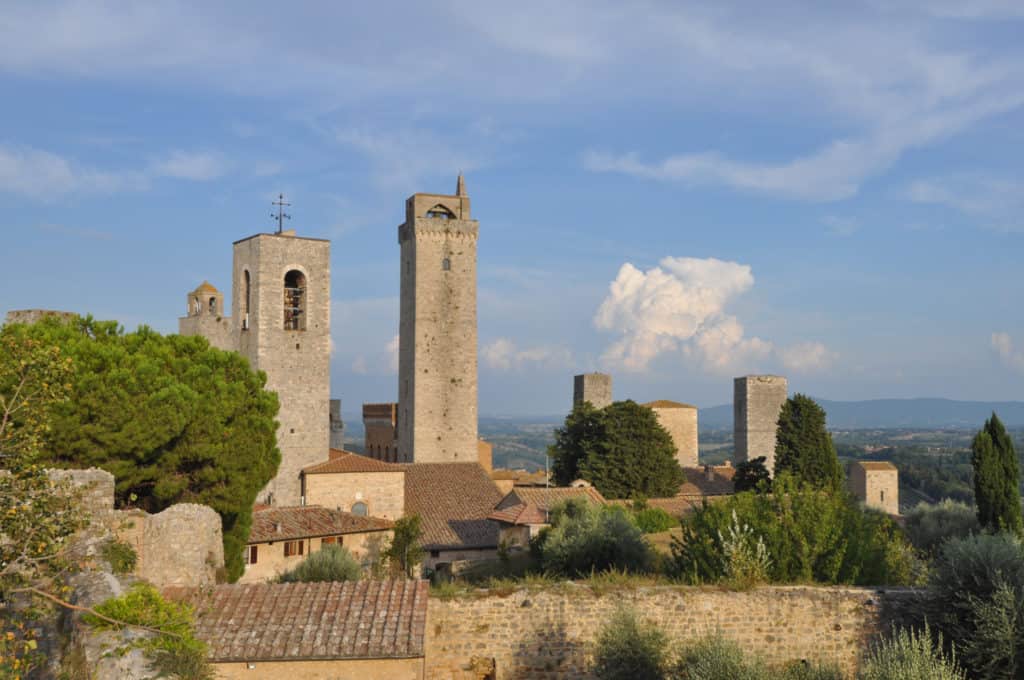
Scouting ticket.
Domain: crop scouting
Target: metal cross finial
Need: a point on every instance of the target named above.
(281, 215)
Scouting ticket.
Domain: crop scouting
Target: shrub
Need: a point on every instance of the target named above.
(630, 650)
(909, 655)
(178, 653)
(585, 538)
(121, 556)
(715, 657)
(404, 551)
(330, 563)
(745, 557)
(929, 525)
(654, 520)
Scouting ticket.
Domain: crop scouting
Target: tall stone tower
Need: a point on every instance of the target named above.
(437, 355)
(281, 320)
(756, 402)
(593, 387)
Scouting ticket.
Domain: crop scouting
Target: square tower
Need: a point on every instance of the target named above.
(593, 387)
(680, 420)
(756, 403)
(282, 308)
(437, 346)
(876, 484)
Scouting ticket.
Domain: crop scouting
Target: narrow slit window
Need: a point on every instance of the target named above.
(446, 264)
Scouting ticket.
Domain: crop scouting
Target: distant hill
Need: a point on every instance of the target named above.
(895, 413)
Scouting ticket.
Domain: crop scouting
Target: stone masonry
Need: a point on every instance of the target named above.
(876, 484)
(593, 387)
(549, 633)
(281, 322)
(757, 400)
(337, 425)
(680, 420)
(380, 425)
(437, 374)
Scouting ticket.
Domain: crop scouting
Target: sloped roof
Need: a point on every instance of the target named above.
(346, 461)
(530, 505)
(665, 403)
(308, 621)
(453, 500)
(520, 477)
(206, 287)
(876, 465)
(308, 521)
(696, 489)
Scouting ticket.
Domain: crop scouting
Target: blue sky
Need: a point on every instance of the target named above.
(674, 193)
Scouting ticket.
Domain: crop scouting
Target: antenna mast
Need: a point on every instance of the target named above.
(281, 215)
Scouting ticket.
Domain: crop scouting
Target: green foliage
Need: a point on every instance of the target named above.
(909, 655)
(810, 536)
(173, 419)
(996, 478)
(976, 600)
(404, 551)
(804, 447)
(621, 449)
(630, 650)
(121, 556)
(745, 557)
(176, 650)
(654, 520)
(752, 475)
(929, 525)
(715, 657)
(585, 538)
(330, 563)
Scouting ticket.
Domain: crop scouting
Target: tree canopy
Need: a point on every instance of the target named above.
(996, 478)
(752, 475)
(803, 446)
(173, 419)
(621, 449)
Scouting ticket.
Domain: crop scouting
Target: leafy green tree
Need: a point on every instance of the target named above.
(996, 478)
(929, 525)
(404, 551)
(330, 563)
(173, 419)
(621, 449)
(804, 446)
(628, 649)
(584, 539)
(752, 475)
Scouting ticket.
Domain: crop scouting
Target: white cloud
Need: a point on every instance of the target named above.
(995, 201)
(392, 353)
(807, 357)
(1008, 354)
(198, 166)
(402, 158)
(503, 354)
(841, 226)
(359, 365)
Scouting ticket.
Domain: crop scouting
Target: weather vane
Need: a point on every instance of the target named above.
(281, 215)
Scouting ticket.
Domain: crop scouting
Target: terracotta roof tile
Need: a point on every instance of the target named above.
(530, 505)
(346, 461)
(696, 489)
(299, 621)
(665, 403)
(875, 465)
(454, 501)
(307, 521)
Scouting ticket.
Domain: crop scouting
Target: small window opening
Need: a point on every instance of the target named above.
(294, 301)
(293, 548)
(439, 212)
(213, 305)
(882, 494)
(360, 509)
(250, 554)
(446, 264)
(246, 299)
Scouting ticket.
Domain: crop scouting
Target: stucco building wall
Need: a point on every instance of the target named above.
(383, 492)
(271, 560)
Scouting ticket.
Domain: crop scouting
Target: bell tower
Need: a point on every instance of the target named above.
(437, 367)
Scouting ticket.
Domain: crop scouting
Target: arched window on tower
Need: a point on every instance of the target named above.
(294, 301)
(446, 264)
(213, 305)
(246, 299)
(439, 212)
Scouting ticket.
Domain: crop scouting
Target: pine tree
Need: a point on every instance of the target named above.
(582, 426)
(996, 478)
(752, 475)
(804, 446)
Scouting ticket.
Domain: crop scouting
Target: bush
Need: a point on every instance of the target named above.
(585, 538)
(654, 520)
(630, 650)
(121, 556)
(330, 563)
(909, 655)
(810, 536)
(976, 601)
(715, 657)
(178, 654)
(929, 525)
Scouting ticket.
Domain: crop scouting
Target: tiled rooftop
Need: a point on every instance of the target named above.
(454, 501)
(665, 403)
(529, 505)
(876, 465)
(308, 621)
(696, 489)
(346, 461)
(286, 524)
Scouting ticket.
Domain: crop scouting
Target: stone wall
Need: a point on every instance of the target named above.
(680, 421)
(271, 561)
(380, 425)
(875, 484)
(593, 387)
(328, 669)
(383, 492)
(757, 400)
(549, 633)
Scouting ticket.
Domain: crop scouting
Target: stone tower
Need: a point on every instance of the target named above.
(437, 364)
(756, 402)
(593, 387)
(280, 321)
(680, 420)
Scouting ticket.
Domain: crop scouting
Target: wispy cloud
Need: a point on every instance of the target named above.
(996, 202)
(199, 166)
(402, 158)
(841, 226)
(503, 354)
(1011, 356)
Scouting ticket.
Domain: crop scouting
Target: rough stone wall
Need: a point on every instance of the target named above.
(337, 425)
(217, 329)
(30, 316)
(437, 374)
(681, 423)
(878, 489)
(593, 387)
(381, 431)
(757, 400)
(550, 633)
(485, 454)
(295, 361)
(383, 492)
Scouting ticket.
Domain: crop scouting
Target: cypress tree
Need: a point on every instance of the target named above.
(804, 446)
(996, 478)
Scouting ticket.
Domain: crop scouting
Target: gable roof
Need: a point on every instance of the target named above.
(453, 500)
(299, 621)
(346, 461)
(530, 505)
(697, 488)
(308, 521)
(876, 465)
(665, 403)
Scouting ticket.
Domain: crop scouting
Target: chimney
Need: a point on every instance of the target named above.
(709, 473)
(277, 527)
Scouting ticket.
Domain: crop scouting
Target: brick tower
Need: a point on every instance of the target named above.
(437, 367)
(756, 402)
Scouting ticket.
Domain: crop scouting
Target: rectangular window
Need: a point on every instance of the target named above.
(250, 553)
(327, 540)
(293, 548)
